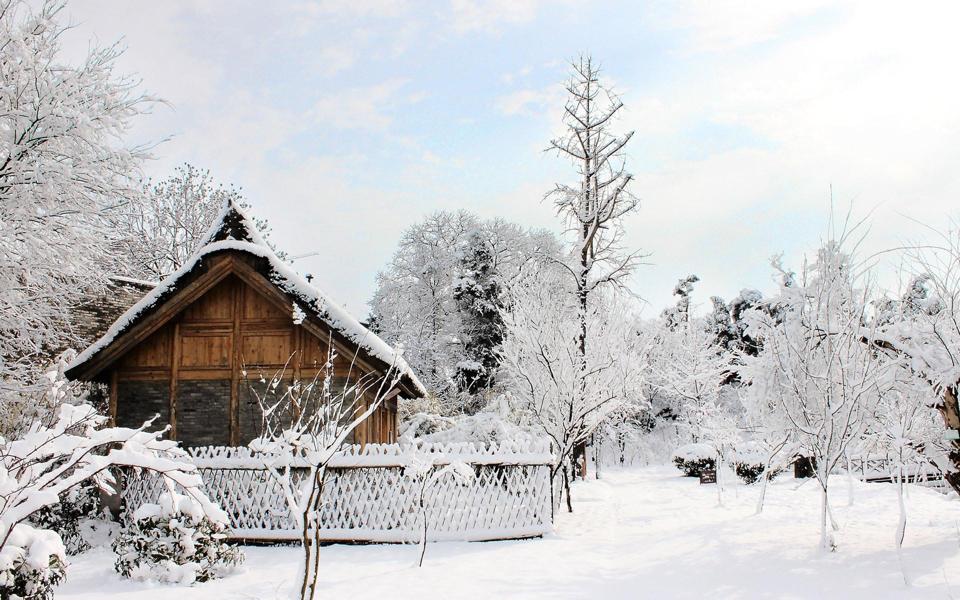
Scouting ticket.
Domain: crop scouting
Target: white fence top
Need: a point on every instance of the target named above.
(387, 455)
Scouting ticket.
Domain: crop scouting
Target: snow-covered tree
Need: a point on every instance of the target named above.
(304, 424)
(923, 329)
(479, 297)
(692, 369)
(546, 375)
(593, 208)
(906, 434)
(813, 362)
(166, 225)
(439, 299)
(64, 170)
(679, 315)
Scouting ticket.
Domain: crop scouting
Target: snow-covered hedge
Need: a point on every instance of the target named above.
(174, 542)
(72, 516)
(693, 459)
(750, 460)
(32, 563)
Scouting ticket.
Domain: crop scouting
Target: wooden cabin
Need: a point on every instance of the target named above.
(198, 348)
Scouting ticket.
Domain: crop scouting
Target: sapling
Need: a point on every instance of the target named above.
(304, 424)
(428, 474)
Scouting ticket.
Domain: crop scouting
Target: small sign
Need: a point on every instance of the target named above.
(951, 434)
(708, 476)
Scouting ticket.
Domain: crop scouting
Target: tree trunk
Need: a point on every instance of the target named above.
(826, 541)
(765, 476)
(311, 538)
(423, 511)
(901, 525)
(951, 418)
(566, 487)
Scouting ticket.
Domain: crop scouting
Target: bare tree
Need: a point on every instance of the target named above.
(594, 208)
(304, 425)
(546, 375)
(167, 224)
(826, 382)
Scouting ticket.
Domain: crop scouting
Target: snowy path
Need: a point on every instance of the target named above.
(644, 533)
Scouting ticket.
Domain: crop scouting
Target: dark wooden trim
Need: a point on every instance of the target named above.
(142, 374)
(174, 377)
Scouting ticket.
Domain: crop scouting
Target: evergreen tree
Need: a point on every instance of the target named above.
(479, 300)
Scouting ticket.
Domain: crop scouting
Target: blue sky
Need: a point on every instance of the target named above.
(344, 122)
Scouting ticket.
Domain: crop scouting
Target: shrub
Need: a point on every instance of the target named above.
(748, 472)
(749, 461)
(693, 459)
(32, 563)
(174, 542)
(71, 516)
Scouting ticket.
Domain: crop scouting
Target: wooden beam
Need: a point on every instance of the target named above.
(174, 376)
(234, 408)
(113, 398)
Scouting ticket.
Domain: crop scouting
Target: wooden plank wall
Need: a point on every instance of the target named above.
(229, 331)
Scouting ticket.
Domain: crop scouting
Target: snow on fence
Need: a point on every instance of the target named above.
(881, 469)
(370, 495)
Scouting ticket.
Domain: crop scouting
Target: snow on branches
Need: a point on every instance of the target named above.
(63, 170)
(304, 424)
(546, 374)
(825, 380)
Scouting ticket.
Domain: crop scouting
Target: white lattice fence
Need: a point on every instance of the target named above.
(369, 494)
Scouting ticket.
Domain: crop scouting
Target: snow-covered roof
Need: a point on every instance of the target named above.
(133, 281)
(234, 230)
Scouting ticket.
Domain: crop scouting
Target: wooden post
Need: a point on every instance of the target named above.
(297, 351)
(113, 398)
(174, 375)
(233, 410)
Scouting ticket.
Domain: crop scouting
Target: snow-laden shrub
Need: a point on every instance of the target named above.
(693, 459)
(32, 563)
(749, 462)
(174, 542)
(72, 516)
(485, 426)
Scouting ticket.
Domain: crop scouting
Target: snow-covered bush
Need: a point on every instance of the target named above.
(750, 472)
(750, 461)
(46, 462)
(70, 517)
(174, 542)
(32, 563)
(485, 426)
(693, 459)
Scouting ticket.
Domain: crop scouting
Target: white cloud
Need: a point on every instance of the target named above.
(365, 107)
(860, 100)
(489, 16)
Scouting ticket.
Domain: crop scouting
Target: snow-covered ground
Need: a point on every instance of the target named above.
(640, 533)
